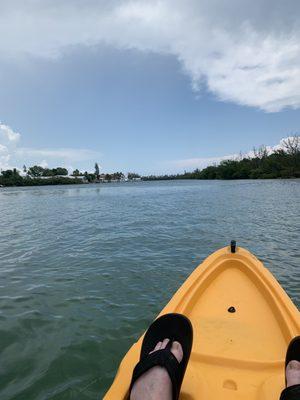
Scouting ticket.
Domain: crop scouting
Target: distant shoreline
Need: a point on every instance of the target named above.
(283, 163)
(66, 181)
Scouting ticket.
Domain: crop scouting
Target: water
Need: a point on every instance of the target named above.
(84, 269)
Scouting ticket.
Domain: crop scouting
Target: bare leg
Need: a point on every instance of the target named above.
(155, 384)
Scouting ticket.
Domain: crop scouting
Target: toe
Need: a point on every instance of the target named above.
(293, 364)
(293, 373)
(164, 343)
(157, 347)
(176, 349)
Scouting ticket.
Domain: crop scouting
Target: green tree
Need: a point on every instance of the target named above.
(97, 170)
(89, 177)
(35, 171)
(7, 174)
(133, 175)
(48, 172)
(11, 177)
(76, 172)
(118, 176)
(60, 171)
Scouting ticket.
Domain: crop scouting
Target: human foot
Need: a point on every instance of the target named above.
(155, 384)
(292, 373)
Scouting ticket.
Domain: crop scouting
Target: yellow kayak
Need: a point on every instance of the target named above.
(243, 322)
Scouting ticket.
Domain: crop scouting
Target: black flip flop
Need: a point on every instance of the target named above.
(175, 327)
(293, 353)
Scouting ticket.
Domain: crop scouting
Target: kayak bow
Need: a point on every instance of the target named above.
(243, 322)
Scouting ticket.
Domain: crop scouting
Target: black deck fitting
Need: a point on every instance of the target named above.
(233, 246)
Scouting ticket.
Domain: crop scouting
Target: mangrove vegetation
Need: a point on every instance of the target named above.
(283, 162)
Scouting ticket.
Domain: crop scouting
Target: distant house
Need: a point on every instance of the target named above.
(132, 176)
(81, 177)
(136, 179)
(115, 177)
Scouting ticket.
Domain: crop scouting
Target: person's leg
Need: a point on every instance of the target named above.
(155, 384)
(292, 373)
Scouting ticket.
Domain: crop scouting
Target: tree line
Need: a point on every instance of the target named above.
(96, 176)
(262, 164)
(38, 175)
(283, 162)
(12, 177)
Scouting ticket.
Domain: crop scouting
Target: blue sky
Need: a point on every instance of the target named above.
(116, 88)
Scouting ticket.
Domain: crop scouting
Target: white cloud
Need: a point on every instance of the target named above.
(247, 52)
(6, 133)
(43, 164)
(4, 157)
(66, 154)
(8, 143)
(12, 155)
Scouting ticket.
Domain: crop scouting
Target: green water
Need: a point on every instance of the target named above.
(84, 269)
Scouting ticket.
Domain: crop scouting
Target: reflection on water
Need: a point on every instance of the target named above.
(83, 270)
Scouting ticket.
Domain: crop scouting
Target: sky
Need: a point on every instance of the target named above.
(149, 87)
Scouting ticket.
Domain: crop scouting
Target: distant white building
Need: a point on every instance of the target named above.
(135, 179)
(82, 178)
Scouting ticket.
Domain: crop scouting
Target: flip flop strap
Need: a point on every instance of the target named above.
(163, 358)
(291, 393)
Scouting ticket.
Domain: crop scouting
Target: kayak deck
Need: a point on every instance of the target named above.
(242, 320)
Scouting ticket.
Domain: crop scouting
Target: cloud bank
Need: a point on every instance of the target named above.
(246, 52)
(13, 155)
(8, 144)
(8, 134)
